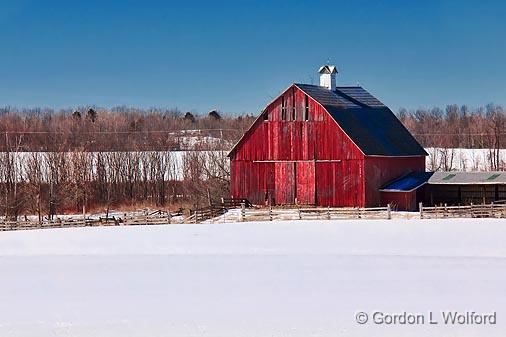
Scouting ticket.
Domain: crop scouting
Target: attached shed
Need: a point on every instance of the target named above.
(322, 145)
(404, 193)
(451, 188)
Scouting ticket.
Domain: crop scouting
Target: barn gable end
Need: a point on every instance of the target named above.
(314, 145)
(296, 152)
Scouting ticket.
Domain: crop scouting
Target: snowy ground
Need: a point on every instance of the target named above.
(301, 278)
(458, 159)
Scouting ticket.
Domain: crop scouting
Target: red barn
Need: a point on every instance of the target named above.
(323, 145)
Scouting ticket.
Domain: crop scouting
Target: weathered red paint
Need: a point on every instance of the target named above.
(309, 161)
(382, 170)
(402, 201)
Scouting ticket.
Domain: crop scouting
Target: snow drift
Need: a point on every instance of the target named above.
(301, 278)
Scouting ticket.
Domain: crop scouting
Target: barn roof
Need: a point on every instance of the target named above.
(369, 123)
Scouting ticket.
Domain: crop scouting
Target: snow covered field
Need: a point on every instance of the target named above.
(457, 159)
(301, 278)
(438, 160)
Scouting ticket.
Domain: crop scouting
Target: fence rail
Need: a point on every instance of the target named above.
(307, 213)
(132, 219)
(494, 210)
(218, 213)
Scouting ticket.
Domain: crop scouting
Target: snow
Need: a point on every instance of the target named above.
(287, 278)
(439, 159)
(459, 159)
(174, 160)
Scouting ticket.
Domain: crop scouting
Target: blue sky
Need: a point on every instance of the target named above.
(238, 55)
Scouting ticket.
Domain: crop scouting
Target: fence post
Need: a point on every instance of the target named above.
(471, 210)
(169, 216)
(243, 211)
(270, 213)
(389, 212)
(298, 210)
(420, 206)
(445, 215)
(195, 218)
(328, 212)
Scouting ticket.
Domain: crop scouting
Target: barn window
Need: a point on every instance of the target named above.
(306, 108)
(283, 108)
(266, 116)
(293, 105)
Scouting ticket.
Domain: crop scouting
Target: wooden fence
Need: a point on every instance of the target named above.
(221, 214)
(494, 210)
(299, 213)
(127, 219)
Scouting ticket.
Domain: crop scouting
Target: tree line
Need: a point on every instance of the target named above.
(116, 129)
(51, 183)
(54, 162)
(459, 127)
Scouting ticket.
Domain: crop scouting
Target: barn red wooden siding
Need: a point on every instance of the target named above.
(402, 201)
(382, 170)
(287, 158)
(312, 161)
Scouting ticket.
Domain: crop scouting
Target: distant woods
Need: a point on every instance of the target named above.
(457, 127)
(129, 129)
(52, 162)
(94, 159)
(117, 129)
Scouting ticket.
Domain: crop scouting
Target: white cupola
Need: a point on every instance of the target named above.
(328, 77)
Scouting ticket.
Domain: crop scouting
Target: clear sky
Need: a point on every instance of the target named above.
(238, 55)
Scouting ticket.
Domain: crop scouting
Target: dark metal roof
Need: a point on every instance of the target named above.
(360, 95)
(327, 97)
(408, 183)
(370, 124)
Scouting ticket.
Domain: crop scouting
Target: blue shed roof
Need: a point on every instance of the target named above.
(408, 183)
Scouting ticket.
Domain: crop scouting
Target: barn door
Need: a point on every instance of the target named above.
(305, 179)
(284, 173)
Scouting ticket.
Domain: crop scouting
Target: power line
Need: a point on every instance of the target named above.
(177, 132)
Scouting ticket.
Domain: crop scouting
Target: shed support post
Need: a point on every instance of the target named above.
(389, 212)
(243, 211)
(420, 206)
